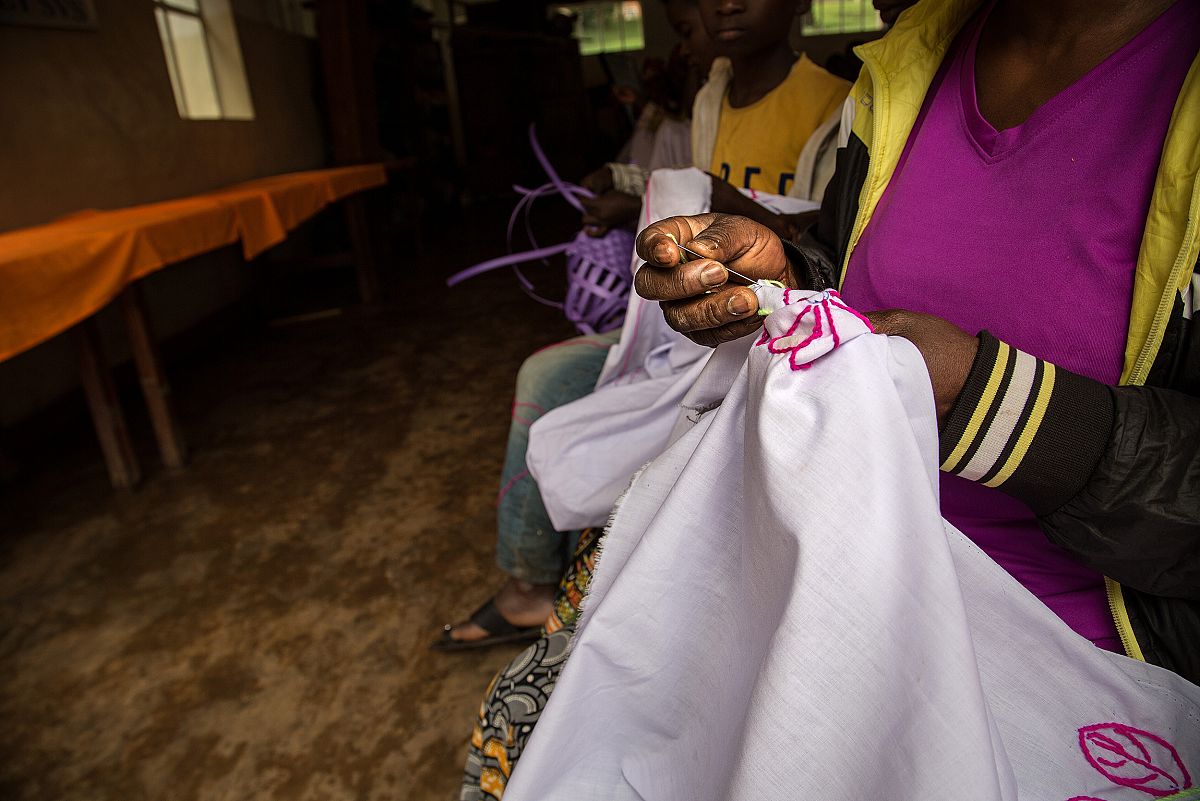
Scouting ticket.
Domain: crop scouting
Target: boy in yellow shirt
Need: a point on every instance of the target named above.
(767, 119)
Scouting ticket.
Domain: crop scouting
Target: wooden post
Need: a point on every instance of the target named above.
(347, 53)
(123, 469)
(154, 382)
(364, 246)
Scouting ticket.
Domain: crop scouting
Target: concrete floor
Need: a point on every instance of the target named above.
(256, 625)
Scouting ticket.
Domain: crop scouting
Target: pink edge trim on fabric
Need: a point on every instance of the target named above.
(533, 406)
(629, 350)
(504, 490)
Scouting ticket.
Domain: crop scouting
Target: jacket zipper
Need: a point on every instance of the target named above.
(1137, 377)
(1116, 607)
(1141, 368)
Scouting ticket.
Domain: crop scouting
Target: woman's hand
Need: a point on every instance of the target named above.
(599, 181)
(727, 199)
(612, 209)
(696, 300)
(948, 351)
(791, 226)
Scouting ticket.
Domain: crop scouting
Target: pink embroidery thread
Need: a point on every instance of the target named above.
(813, 336)
(795, 324)
(1134, 758)
(835, 299)
(632, 341)
(517, 405)
(832, 328)
(822, 311)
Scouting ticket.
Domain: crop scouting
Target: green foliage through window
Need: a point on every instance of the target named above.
(606, 27)
(841, 16)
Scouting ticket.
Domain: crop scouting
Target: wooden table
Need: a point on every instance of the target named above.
(55, 277)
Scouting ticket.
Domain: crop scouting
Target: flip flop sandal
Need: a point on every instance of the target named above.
(499, 630)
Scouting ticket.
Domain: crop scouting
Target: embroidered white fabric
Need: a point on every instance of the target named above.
(779, 611)
(582, 455)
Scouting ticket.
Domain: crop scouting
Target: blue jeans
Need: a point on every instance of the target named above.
(528, 547)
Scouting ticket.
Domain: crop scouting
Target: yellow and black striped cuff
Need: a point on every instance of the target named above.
(1023, 425)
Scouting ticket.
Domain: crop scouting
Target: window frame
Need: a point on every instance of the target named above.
(163, 11)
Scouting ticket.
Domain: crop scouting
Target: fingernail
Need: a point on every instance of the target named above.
(713, 275)
(666, 253)
(738, 304)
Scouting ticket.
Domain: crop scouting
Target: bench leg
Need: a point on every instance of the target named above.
(363, 243)
(123, 469)
(154, 382)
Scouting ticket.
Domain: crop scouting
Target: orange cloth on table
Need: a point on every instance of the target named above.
(267, 208)
(55, 275)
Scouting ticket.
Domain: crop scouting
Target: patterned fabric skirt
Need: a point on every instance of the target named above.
(518, 694)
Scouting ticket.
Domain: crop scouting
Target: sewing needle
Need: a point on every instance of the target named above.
(696, 255)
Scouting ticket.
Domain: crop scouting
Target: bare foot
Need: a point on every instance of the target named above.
(521, 603)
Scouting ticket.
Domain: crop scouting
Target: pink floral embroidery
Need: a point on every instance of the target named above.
(819, 308)
(1134, 758)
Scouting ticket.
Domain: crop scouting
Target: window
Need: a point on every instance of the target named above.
(606, 27)
(841, 16)
(204, 59)
(294, 16)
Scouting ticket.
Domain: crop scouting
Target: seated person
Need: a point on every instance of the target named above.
(981, 194)
(769, 83)
(736, 120)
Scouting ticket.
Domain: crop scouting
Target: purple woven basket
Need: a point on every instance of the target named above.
(598, 268)
(598, 280)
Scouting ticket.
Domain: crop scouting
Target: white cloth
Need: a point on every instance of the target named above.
(672, 145)
(583, 454)
(779, 611)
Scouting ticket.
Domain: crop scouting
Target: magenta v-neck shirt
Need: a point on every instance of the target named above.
(1031, 233)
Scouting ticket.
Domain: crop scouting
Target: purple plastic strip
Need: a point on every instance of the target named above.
(554, 179)
(505, 261)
